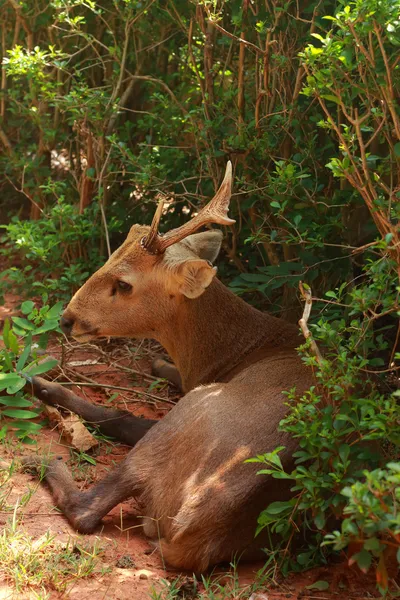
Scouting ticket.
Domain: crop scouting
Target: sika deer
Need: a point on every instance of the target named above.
(200, 499)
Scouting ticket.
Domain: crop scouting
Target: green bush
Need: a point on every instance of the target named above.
(56, 253)
(25, 341)
(350, 419)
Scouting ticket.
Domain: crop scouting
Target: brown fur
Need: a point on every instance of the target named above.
(200, 499)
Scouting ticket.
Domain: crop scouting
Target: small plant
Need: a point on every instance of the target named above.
(225, 587)
(43, 564)
(372, 520)
(81, 464)
(25, 340)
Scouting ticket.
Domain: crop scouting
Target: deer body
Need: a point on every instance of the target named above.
(200, 500)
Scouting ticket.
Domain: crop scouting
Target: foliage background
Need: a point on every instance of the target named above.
(105, 104)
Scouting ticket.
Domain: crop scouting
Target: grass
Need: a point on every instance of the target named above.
(223, 587)
(39, 565)
(42, 564)
(6, 473)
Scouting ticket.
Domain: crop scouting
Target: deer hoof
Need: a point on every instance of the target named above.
(157, 367)
(34, 463)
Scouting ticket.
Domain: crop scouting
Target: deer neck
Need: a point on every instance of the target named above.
(212, 334)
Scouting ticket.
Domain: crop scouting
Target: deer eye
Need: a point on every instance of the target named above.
(123, 286)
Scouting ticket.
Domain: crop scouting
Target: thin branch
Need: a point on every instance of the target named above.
(117, 387)
(240, 40)
(307, 295)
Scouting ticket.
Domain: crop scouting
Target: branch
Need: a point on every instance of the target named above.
(306, 294)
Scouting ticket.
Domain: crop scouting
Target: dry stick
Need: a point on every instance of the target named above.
(208, 58)
(91, 383)
(3, 74)
(5, 141)
(391, 101)
(101, 200)
(242, 41)
(117, 88)
(242, 48)
(114, 363)
(18, 10)
(394, 349)
(307, 295)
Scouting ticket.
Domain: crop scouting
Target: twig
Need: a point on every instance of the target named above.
(5, 141)
(394, 350)
(116, 364)
(307, 295)
(117, 387)
(241, 41)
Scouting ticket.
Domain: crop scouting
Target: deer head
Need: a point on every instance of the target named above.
(150, 275)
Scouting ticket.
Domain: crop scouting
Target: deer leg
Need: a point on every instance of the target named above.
(119, 424)
(83, 509)
(166, 370)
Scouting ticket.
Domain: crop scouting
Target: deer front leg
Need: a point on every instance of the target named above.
(166, 370)
(119, 424)
(83, 509)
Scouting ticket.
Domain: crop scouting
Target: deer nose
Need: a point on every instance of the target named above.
(66, 324)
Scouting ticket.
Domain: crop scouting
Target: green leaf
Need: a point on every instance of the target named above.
(42, 367)
(15, 401)
(15, 413)
(396, 149)
(54, 312)
(278, 507)
(331, 98)
(319, 520)
(304, 558)
(23, 323)
(88, 458)
(388, 237)
(318, 37)
(363, 559)
(14, 346)
(47, 326)
(372, 544)
(344, 452)
(7, 379)
(6, 331)
(25, 439)
(27, 307)
(17, 386)
(24, 356)
(27, 426)
(376, 362)
(320, 585)
(7, 360)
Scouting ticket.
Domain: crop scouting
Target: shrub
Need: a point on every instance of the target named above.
(25, 341)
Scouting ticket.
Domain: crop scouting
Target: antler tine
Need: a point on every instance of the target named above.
(216, 211)
(150, 240)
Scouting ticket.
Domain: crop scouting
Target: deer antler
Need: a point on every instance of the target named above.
(216, 211)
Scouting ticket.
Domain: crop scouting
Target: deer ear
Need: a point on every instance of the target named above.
(205, 245)
(194, 277)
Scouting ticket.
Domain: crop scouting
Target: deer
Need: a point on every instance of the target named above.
(200, 499)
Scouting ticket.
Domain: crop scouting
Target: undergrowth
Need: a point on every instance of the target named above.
(45, 564)
(22, 356)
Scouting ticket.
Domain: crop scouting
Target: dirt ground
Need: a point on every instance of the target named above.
(128, 566)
